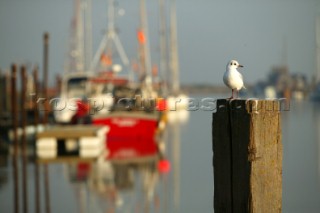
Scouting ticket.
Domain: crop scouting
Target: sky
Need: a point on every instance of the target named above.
(259, 34)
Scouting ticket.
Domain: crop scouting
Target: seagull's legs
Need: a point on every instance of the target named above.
(231, 95)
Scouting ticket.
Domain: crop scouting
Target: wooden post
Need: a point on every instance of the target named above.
(46, 114)
(36, 122)
(24, 138)
(36, 94)
(8, 91)
(14, 118)
(45, 76)
(247, 156)
(14, 108)
(58, 83)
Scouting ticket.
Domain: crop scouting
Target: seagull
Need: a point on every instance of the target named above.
(233, 78)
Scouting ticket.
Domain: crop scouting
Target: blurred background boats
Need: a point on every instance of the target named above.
(107, 128)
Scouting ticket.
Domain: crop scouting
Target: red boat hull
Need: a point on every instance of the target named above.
(130, 137)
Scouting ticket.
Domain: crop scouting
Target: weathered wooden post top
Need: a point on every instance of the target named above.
(247, 156)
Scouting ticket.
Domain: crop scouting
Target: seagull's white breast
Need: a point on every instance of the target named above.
(233, 79)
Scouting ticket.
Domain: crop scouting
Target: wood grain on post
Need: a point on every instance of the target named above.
(247, 156)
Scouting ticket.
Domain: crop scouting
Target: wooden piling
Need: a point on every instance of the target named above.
(23, 75)
(46, 115)
(36, 94)
(58, 83)
(247, 156)
(24, 138)
(14, 108)
(14, 118)
(8, 91)
(45, 76)
(36, 122)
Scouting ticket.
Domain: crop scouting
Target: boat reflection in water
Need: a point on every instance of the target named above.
(128, 186)
(108, 187)
(132, 183)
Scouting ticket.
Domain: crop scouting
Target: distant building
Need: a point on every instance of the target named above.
(281, 84)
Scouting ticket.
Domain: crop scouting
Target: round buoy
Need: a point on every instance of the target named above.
(161, 104)
(164, 166)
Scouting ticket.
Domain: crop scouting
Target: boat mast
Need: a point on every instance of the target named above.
(87, 12)
(163, 46)
(75, 54)
(174, 49)
(146, 46)
(111, 37)
(79, 55)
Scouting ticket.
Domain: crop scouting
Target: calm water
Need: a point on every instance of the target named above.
(188, 187)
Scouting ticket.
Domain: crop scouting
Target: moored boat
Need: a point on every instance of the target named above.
(74, 86)
(133, 128)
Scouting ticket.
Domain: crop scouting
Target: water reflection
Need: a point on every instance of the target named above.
(300, 128)
(316, 116)
(107, 187)
(151, 185)
(135, 185)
